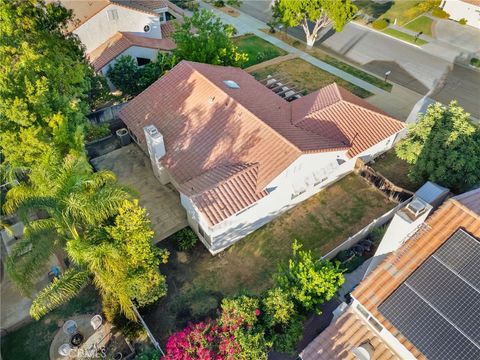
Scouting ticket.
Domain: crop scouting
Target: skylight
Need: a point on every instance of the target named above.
(231, 84)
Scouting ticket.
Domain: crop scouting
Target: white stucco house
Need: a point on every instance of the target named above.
(463, 9)
(239, 154)
(110, 29)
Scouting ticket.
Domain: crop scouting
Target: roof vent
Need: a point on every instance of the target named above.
(416, 206)
(231, 84)
(363, 351)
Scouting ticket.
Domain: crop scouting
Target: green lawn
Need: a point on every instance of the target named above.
(305, 76)
(32, 341)
(403, 11)
(422, 23)
(258, 50)
(197, 281)
(404, 36)
(395, 170)
(319, 54)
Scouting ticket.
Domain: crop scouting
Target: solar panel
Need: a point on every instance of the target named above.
(438, 307)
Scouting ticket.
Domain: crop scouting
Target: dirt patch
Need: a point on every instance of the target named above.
(229, 11)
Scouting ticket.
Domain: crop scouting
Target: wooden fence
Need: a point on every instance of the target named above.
(394, 192)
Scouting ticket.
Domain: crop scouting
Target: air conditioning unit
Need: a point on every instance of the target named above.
(416, 207)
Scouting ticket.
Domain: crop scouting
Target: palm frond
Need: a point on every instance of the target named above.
(46, 203)
(59, 292)
(30, 254)
(16, 195)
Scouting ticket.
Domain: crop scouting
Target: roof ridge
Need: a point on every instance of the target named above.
(288, 142)
(317, 92)
(248, 167)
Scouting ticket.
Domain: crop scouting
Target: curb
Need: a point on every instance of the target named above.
(390, 36)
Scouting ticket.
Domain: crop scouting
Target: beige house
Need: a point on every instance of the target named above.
(463, 9)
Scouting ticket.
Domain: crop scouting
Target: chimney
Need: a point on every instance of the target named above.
(156, 149)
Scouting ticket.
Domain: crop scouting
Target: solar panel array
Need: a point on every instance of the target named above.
(438, 307)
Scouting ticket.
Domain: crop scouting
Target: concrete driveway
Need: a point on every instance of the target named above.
(162, 202)
(461, 36)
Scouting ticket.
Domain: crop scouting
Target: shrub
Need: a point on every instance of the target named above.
(279, 308)
(94, 132)
(149, 355)
(219, 3)
(440, 13)
(286, 341)
(343, 255)
(185, 239)
(353, 263)
(380, 24)
(243, 308)
(462, 21)
(475, 62)
(236, 3)
(377, 234)
(308, 281)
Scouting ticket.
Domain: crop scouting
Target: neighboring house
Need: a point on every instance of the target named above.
(112, 28)
(463, 9)
(239, 154)
(422, 301)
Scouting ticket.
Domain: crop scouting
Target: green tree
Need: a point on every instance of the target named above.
(321, 13)
(308, 281)
(279, 307)
(44, 82)
(444, 147)
(132, 79)
(124, 75)
(204, 38)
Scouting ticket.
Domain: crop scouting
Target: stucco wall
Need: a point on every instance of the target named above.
(99, 28)
(462, 10)
(298, 176)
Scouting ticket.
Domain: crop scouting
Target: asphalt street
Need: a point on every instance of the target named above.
(410, 66)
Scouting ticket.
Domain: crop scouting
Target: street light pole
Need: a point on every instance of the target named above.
(386, 75)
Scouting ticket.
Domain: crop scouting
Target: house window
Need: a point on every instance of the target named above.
(163, 18)
(362, 311)
(142, 61)
(112, 15)
(376, 325)
(146, 28)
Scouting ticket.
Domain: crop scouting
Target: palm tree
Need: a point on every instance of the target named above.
(59, 205)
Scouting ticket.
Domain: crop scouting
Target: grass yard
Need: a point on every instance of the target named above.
(422, 23)
(403, 11)
(32, 341)
(258, 50)
(404, 36)
(197, 281)
(319, 54)
(304, 75)
(395, 170)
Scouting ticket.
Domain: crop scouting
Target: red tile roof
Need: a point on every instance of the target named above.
(168, 27)
(224, 190)
(462, 211)
(207, 125)
(341, 336)
(120, 42)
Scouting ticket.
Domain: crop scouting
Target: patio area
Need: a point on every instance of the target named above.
(133, 169)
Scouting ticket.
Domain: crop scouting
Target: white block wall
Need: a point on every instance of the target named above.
(463, 10)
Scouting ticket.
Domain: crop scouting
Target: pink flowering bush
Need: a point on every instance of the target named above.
(203, 341)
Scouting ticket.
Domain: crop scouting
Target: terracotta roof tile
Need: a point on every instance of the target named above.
(168, 27)
(206, 124)
(224, 190)
(120, 42)
(341, 336)
(149, 6)
(458, 212)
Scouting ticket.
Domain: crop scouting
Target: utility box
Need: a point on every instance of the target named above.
(124, 136)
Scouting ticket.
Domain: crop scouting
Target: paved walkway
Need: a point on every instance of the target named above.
(162, 202)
